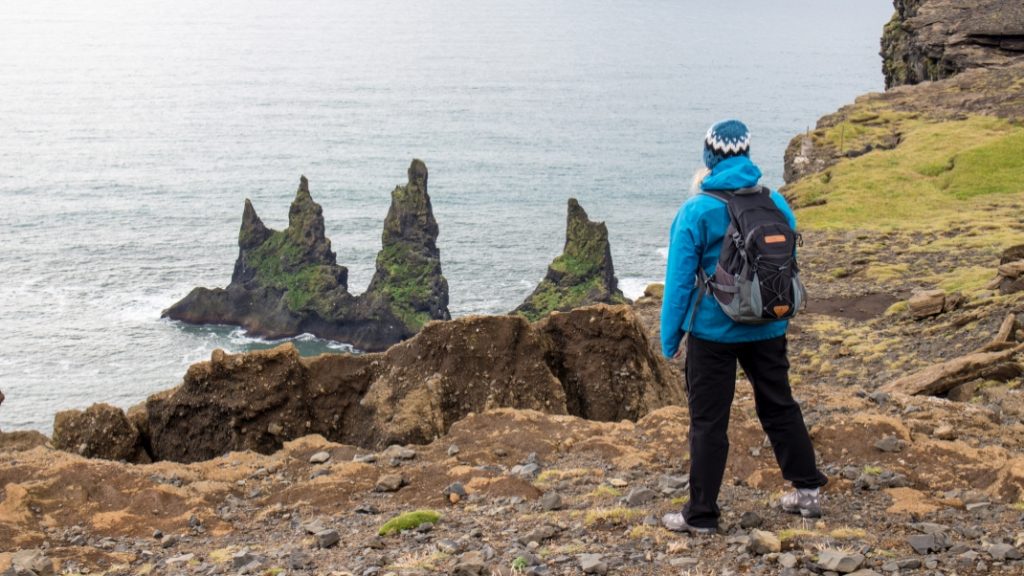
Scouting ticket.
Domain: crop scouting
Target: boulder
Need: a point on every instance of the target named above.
(99, 431)
(593, 362)
(927, 303)
(936, 39)
(607, 366)
(583, 274)
(288, 282)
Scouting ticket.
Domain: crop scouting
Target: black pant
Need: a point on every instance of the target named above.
(711, 383)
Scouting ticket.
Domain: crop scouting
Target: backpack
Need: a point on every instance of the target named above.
(756, 280)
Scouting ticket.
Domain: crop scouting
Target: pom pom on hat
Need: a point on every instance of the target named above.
(726, 139)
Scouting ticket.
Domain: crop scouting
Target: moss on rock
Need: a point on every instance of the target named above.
(583, 274)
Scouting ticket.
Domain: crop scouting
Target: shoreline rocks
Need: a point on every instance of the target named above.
(288, 282)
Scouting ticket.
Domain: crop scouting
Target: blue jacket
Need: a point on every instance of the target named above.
(696, 237)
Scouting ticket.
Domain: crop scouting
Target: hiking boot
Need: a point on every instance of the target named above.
(806, 503)
(677, 523)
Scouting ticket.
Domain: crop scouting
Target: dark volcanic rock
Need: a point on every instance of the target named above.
(582, 275)
(936, 39)
(100, 431)
(593, 362)
(288, 282)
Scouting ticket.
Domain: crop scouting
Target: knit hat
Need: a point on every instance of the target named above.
(726, 139)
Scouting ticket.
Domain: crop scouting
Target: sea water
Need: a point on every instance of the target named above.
(131, 133)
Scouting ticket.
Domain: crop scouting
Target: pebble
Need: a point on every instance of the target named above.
(389, 483)
(618, 483)
(762, 542)
(470, 564)
(640, 496)
(33, 561)
(365, 458)
(593, 564)
(327, 538)
(525, 470)
(551, 501)
(168, 541)
(319, 457)
(399, 452)
(889, 444)
(183, 559)
(455, 492)
(787, 560)
(453, 450)
(840, 561)
(684, 562)
(669, 484)
(945, 432)
(750, 520)
(1003, 552)
(241, 558)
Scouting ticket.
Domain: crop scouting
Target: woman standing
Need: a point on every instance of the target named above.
(715, 343)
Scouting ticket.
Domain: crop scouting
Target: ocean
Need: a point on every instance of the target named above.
(132, 132)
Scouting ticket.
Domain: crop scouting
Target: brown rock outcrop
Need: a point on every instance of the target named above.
(594, 362)
(936, 39)
(100, 431)
(288, 282)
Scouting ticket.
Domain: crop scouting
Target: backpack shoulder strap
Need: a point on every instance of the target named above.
(723, 195)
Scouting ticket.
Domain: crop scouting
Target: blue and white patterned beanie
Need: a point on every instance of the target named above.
(726, 139)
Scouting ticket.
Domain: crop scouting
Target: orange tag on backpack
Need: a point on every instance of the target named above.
(780, 310)
(774, 239)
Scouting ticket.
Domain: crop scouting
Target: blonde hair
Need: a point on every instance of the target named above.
(698, 178)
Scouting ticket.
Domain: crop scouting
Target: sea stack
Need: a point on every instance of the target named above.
(583, 274)
(288, 282)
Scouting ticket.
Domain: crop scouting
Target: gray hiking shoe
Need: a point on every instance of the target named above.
(806, 504)
(677, 523)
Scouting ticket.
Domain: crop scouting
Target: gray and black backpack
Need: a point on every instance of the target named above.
(757, 280)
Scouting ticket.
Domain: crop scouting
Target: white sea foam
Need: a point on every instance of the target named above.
(633, 288)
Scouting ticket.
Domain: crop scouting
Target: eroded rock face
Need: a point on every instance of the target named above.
(288, 282)
(583, 274)
(607, 366)
(936, 39)
(594, 362)
(100, 431)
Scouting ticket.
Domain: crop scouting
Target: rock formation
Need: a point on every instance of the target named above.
(288, 282)
(936, 39)
(583, 274)
(100, 431)
(594, 362)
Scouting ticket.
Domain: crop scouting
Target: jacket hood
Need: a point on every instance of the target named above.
(732, 174)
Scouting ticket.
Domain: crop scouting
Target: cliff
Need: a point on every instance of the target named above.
(583, 274)
(595, 363)
(288, 282)
(936, 39)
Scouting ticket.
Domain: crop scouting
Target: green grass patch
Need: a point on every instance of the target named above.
(408, 521)
(941, 174)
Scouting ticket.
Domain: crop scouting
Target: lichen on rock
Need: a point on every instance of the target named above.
(287, 282)
(583, 274)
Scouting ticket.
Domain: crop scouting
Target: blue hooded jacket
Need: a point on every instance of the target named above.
(696, 238)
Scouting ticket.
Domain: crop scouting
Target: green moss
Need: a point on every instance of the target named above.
(408, 521)
(407, 282)
(278, 263)
(941, 174)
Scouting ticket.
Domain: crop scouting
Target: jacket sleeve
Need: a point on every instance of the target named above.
(683, 258)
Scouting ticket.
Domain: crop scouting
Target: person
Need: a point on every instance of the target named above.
(714, 344)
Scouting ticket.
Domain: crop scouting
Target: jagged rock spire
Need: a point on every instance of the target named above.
(584, 273)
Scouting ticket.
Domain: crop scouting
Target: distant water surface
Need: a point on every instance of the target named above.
(131, 133)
